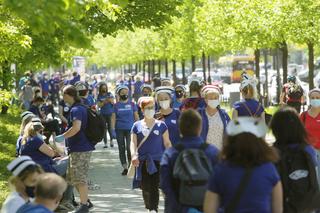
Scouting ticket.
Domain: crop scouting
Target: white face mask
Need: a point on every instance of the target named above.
(40, 136)
(164, 104)
(213, 103)
(149, 113)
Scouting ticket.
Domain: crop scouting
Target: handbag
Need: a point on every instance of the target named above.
(132, 169)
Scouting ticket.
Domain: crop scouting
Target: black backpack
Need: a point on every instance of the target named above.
(192, 170)
(299, 180)
(96, 126)
(295, 91)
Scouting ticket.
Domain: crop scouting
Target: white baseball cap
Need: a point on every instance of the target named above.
(19, 164)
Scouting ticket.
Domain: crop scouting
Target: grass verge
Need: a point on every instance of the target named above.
(9, 131)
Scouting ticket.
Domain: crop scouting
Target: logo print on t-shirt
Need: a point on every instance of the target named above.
(156, 132)
(173, 121)
(298, 174)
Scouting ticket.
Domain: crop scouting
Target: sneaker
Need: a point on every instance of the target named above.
(105, 146)
(124, 172)
(84, 208)
(66, 207)
(90, 205)
(111, 144)
(75, 203)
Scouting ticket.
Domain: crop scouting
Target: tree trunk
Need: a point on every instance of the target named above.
(193, 63)
(276, 57)
(5, 75)
(257, 62)
(149, 71)
(266, 94)
(183, 66)
(285, 61)
(159, 68)
(209, 71)
(204, 67)
(311, 64)
(174, 76)
(153, 68)
(166, 67)
(144, 71)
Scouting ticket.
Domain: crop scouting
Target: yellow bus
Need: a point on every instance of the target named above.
(242, 64)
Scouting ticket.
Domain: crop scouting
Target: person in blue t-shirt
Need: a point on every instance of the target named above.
(249, 106)
(80, 148)
(167, 114)
(49, 191)
(105, 103)
(45, 84)
(149, 139)
(33, 145)
(180, 95)
(125, 113)
(214, 119)
(194, 101)
(190, 128)
(246, 157)
(291, 134)
(146, 90)
(83, 90)
(137, 92)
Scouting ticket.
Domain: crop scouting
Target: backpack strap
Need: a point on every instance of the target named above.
(179, 147)
(248, 109)
(204, 146)
(240, 190)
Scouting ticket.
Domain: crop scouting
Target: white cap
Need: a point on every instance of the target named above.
(27, 114)
(80, 86)
(210, 89)
(251, 125)
(19, 164)
(164, 89)
(248, 80)
(120, 87)
(37, 122)
(314, 90)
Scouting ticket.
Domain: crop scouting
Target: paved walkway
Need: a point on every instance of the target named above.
(109, 191)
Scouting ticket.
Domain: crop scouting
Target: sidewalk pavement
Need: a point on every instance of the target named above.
(108, 190)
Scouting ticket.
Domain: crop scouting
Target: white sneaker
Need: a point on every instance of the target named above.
(152, 211)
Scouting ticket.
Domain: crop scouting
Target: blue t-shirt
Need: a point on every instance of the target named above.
(107, 108)
(79, 142)
(176, 104)
(124, 114)
(137, 87)
(254, 106)
(54, 85)
(154, 143)
(45, 85)
(33, 208)
(35, 110)
(172, 122)
(258, 193)
(31, 149)
(65, 109)
(89, 101)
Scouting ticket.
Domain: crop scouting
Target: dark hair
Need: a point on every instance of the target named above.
(37, 99)
(72, 91)
(190, 123)
(100, 87)
(247, 150)
(195, 87)
(74, 74)
(287, 127)
(30, 170)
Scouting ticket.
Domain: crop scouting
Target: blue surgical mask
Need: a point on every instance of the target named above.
(315, 102)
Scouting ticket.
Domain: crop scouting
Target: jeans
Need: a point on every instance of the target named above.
(61, 166)
(150, 187)
(108, 120)
(123, 140)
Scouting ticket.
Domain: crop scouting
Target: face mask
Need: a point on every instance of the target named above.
(30, 191)
(213, 103)
(149, 113)
(179, 94)
(124, 97)
(315, 102)
(40, 136)
(165, 104)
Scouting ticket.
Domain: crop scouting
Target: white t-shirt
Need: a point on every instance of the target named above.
(13, 202)
(215, 130)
